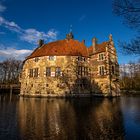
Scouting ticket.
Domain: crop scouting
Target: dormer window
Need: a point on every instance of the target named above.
(101, 56)
(51, 58)
(80, 58)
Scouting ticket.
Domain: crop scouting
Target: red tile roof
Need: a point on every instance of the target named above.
(67, 48)
(61, 48)
(99, 48)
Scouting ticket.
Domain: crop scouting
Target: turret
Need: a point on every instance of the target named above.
(111, 39)
(69, 36)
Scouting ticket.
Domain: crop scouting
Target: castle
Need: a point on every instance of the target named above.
(68, 68)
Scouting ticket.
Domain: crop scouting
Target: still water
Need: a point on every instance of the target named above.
(69, 119)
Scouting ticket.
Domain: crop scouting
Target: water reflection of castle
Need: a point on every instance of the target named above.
(69, 119)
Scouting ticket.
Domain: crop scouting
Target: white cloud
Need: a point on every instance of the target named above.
(2, 8)
(10, 25)
(52, 34)
(13, 53)
(1, 20)
(30, 35)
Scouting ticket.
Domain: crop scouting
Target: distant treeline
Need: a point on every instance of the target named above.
(130, 76)
(9, 71)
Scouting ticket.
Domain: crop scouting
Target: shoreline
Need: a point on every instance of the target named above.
(130, 92)
(67, 96)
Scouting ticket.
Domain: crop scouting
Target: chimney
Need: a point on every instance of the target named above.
(40, 42)
(94, 42)
(83, 41)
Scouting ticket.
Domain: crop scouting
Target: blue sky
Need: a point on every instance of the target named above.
(23, 22)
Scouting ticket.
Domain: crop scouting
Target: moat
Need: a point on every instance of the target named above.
(69, 119)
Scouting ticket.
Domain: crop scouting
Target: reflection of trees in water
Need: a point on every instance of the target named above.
(70, 119)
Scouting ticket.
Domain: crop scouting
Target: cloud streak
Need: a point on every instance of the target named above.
(14, 53)
(30, 35)
(10, 25)
(2, 8)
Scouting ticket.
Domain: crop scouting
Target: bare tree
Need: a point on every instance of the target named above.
(130, 76)
(9, 71)
(130, 11)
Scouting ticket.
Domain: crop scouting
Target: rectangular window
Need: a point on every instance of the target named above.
(58, 71)
(101, 70)
(36, 59)
(36, 72)
(48, 71)
(113, 69)
(83, 71)
(79, 70)
(101, 56)
(86, 71)
(31, 72)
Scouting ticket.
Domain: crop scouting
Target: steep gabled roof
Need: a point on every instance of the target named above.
(98, 48)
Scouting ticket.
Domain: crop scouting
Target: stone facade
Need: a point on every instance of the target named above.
(75, 71)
